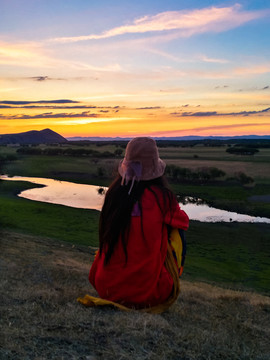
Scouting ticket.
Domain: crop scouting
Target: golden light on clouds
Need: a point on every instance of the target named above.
(126, 121)
(122, 71)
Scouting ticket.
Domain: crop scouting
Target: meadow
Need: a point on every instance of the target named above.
(46, 252)
(241, 248)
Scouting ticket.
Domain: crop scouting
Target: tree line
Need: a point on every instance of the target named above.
(203, 175)
(68, 152)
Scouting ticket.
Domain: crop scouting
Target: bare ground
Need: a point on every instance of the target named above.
(41, 319)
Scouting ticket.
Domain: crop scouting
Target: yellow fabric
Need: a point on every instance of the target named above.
(89, 300)
(176, 243)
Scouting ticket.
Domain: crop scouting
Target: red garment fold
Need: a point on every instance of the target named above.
(143, 280)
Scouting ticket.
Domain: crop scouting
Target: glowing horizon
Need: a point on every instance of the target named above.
(142, 69)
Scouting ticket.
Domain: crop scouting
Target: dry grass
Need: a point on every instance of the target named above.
(41, 319)
(255, 166)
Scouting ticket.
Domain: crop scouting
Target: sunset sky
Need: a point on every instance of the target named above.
(128, 68)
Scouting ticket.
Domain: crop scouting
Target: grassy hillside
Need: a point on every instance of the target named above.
(55, 221)
(231, 254)
(47, 250)
(41, 319)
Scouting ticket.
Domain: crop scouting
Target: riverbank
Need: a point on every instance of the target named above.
(92, 197)
(225, 193)
(41, 319)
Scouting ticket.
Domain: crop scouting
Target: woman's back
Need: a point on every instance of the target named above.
(140, 279)
(133, 237)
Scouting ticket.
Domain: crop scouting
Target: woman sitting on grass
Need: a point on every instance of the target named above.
(129, 268)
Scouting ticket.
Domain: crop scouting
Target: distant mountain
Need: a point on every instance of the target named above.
(241, 137)
(175, 138)
(46, 136)
(97, 138)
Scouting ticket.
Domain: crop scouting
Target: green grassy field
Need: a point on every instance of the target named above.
(233, 254)
(256, 166)
(79, 226)
(228, 195)
(232, 197)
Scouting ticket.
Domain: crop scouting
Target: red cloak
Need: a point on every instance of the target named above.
(143, 280)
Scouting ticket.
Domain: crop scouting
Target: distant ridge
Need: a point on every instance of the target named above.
(46, 136)
(175, 138)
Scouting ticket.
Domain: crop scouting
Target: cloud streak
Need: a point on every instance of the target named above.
(50, 115)
(59, 105)
(187, 23)
(149, 108)
(60, 101)
(44, 78)
(37, 55)
(27, 54)
(208, 128)
(230, 126)
(252, 70)
(215, 113)
(212, 60)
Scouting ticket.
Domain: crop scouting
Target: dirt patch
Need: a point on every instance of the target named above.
(41, 319)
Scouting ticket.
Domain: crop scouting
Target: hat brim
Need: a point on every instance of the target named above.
(148, 172)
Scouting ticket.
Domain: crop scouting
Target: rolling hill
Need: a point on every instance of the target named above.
(46, 136)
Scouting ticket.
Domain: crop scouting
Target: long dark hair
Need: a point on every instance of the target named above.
(115, 217)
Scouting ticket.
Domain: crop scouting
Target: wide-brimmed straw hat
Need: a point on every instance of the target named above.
(141, 161)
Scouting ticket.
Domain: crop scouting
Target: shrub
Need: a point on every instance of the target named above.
(29, 151)
(243, 178)
(242, 150)
(204, 174)
(100, 171)
(118, 152)
(11, 157)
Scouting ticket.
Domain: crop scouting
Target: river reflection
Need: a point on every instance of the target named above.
(62, 192)
(92, 197)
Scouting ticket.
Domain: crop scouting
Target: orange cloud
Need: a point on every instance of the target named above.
(28, 54)
(252, 70)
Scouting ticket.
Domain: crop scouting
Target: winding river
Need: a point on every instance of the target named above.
(92, 197)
